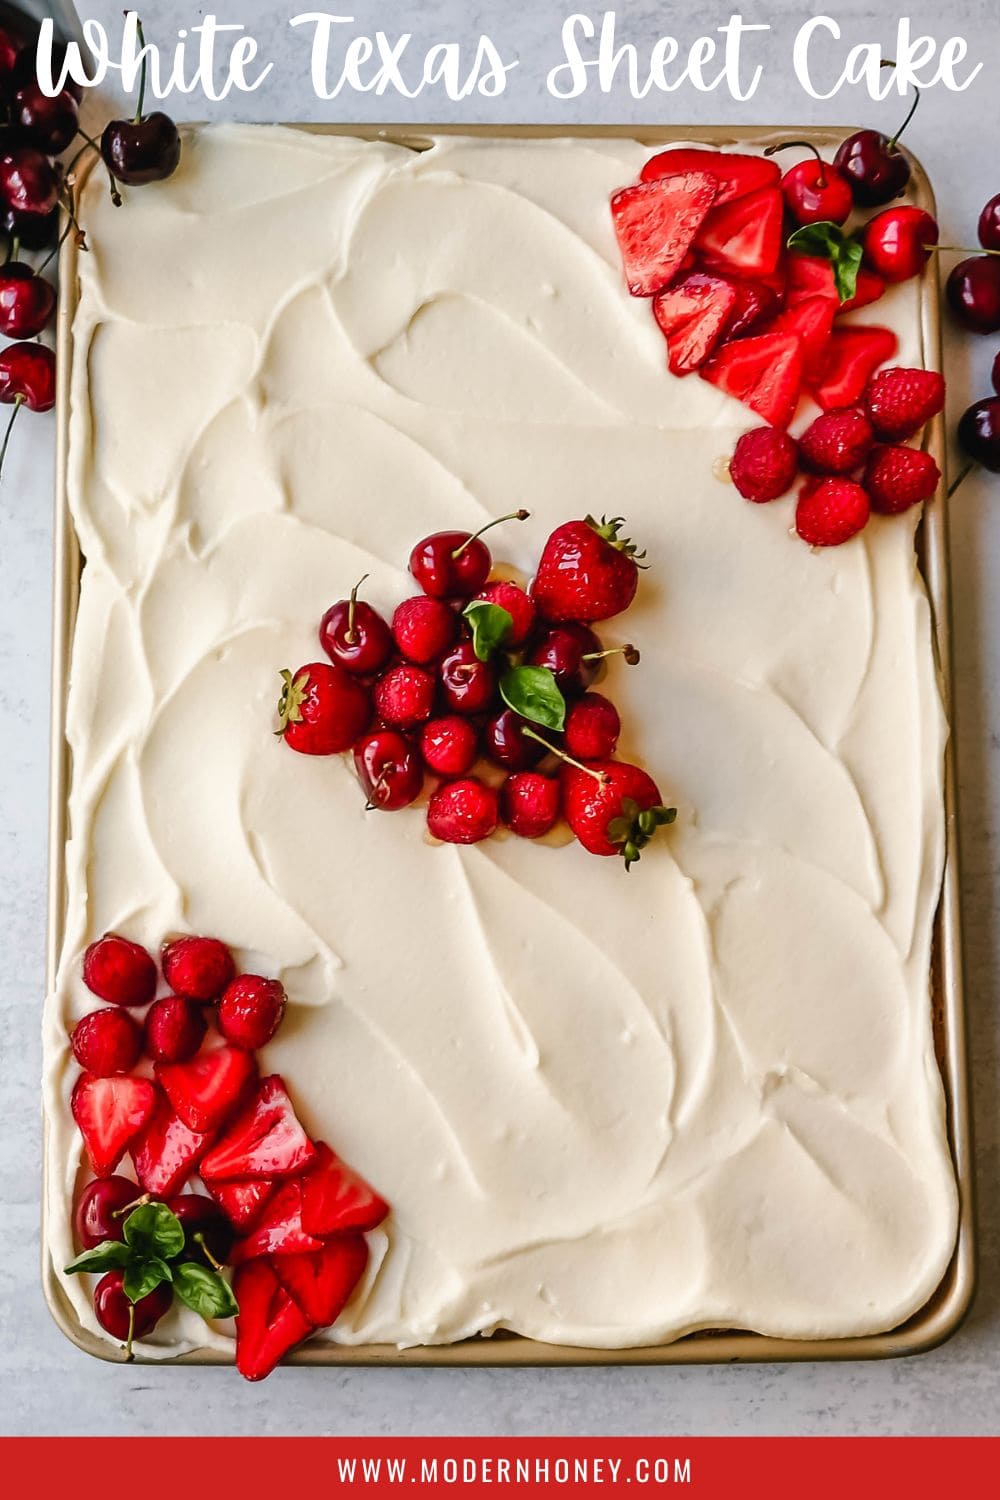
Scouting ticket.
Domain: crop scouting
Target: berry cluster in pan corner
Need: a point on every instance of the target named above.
(750, 272)
(36, 185)
(476, 674)
(182, 1098)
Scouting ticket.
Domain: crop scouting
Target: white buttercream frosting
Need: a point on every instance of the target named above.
(606, 1110)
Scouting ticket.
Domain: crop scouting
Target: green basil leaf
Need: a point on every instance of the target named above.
(204, 1291)
(491, 625)
(110, 1256)
(154, 1231)
(845, 270)
(829, 242)
(144, 1276)
(534, 693)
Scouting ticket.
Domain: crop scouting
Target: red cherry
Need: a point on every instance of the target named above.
(814, 191)
(996, 374)
(973, 289)
(423, 628)
(455, 564)
(28, 376)
(468, 685)
(572, 654)
(107, 1042)
(116, 1314)
(507, 744)
(99, 1215)
(593, 728)
(208, 1234)
(389, 770)
(47, 124)
(463, 812)
(251, 1011)
(449, 746)
(989, 225)
(897, 242)
(27, 301)
(197, 967)
(404, 697)
(25, 74)
(519, 605)
(175, 1029)
(119, 972)
(979, 433)
(530, 804)
(29, 183)
(355, 636)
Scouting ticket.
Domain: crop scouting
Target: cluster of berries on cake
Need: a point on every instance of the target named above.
(481, 691)
(185, 1099)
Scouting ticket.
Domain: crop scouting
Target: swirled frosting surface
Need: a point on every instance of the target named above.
(606, 1110)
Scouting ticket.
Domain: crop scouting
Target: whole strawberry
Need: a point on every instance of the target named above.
(900, 401)
(586, 573)
(613, 807)
(323, 709)
(897, 478)
(199, 968)
(251, 1011)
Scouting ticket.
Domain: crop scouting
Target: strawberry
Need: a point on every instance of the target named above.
(251, 1011)
(335, 1198)
(656, 223)
(109, 1113)
(853, 353)
(174, 1029)
(205, 1092)
(812, 320)
(120, 972)
(764, 464)
(899, 402)
(744, 237)
(755, 304)
(735, 174)
(812, 276)
(197, 967)
(321, 1284)
(837, 442)
(692, 315)
(269, 1323)
(897, 478)
(612, 807)
(106, 1042)
(241, 1202)
(586, 572)
(764, 372)
(165, 1151)
(831, 512)
(322, 709)
(265, 1140)
(279, 1229)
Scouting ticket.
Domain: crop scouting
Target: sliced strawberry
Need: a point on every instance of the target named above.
(735, 174)
(321, 1284)
(269, 1323)
(241, 1202)
(656, 223)
(166, 1151)
(744, 237)
(266, 1140)
(279, 1231)
(756, 303)
(335, 1198)
(854, 353)
(692, 315)
(206, 1091)
(812, 319)
(812, 276)
(764, 372)
(110, 1112)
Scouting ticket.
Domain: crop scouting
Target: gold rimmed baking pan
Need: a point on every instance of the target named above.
(939, 1318)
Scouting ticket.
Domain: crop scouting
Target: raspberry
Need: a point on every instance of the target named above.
(838, 442)
(831, 512)
(900, 401)
(764, 464)
(897, 478)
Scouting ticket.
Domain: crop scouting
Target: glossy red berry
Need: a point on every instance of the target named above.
(107, 1042)
(423, 628)
(463, 812)
(197, 967)
(816, 192)
(530, 804)
(593, 728)
(468, 685)
(989, 224)
(28, 374)
(116, 1314)
(455, 564)
(519, 605)
(32, 231)
(322, 709)
(354, 636)
(208, 1234)
(572, 653)
(120, 972)
(449, 745)
(29, 183)
(874, 166)
(48, 124)
(137, 152)
(897, 243)
(175, 1029)
(508, 742)
(389, 769)
(27, 301)
(100, 1209)
(404, 697)
(251, 1011)
(979, 433)
(973, 290)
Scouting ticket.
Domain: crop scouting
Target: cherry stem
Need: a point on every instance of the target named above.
(349, 635)
(630, 653)
(803, 146)
(15, 247)
(121, 1213)
(960, 250)
(894, 140)
(515, 515)
(18, 403)
(142, 75)
(601, 777)
(56, 248)
(962, 475)
(199, 1239)
(129, 1356)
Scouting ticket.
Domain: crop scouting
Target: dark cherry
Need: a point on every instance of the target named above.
(24, 71)
(116, 1314)
(140, 151)
(898, 242)
(979, 433)
(468, 685)
(355, 636)
(389, 769)
(455, 564)
(974, 293)
(32, 231)
(572, 654)
(875, 168)
(29, 183)
(208, 1233)
(995, 375)
(11, 48)
(27, 301)
(28, 375)
(47, 124)
(100, 1209)
(813, 190)
(989, 225)
(507, 745)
